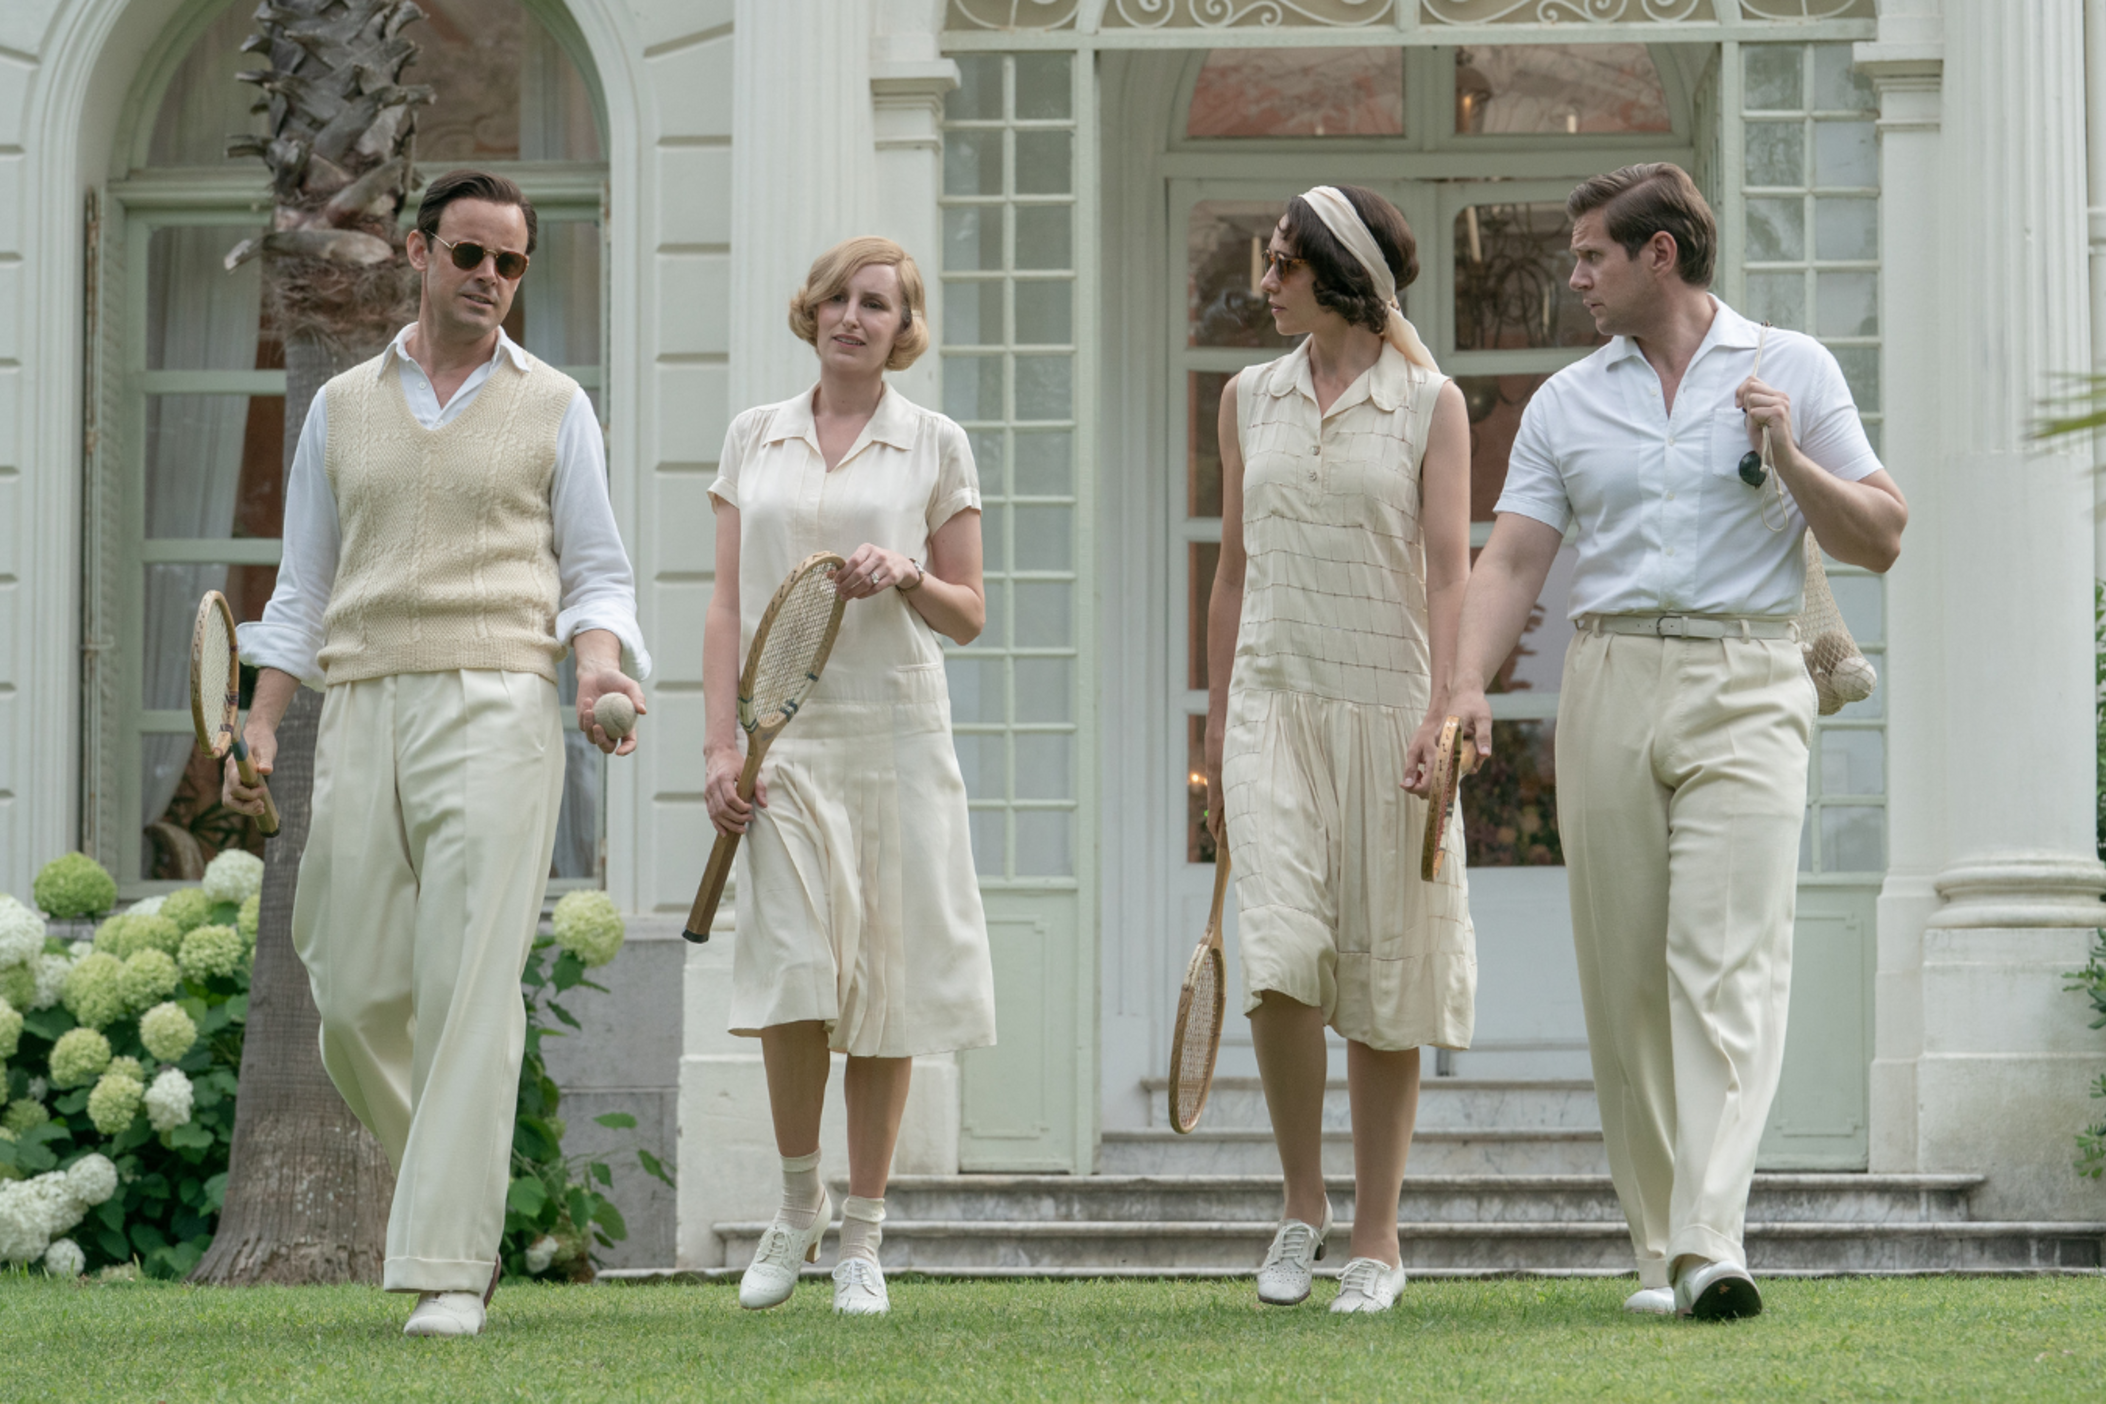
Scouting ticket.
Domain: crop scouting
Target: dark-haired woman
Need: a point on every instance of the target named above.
(1344, 549)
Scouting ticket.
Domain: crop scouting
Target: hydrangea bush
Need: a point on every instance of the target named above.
(117, 1096)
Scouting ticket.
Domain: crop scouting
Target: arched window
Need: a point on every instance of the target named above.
(186, 471)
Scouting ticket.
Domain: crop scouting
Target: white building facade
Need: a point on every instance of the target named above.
(1919, 183)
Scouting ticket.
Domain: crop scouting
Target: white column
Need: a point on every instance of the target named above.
(909, 77)
(1983, 1059)
(802, 175)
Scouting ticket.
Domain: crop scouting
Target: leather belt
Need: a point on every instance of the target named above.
(1692, 626)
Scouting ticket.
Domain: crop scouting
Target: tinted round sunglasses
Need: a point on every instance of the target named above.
(469, 255)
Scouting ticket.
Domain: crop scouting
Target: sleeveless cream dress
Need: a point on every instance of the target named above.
(857, 901)
(1332, 676)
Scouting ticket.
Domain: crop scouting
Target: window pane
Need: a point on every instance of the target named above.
(1044, 237)
(1045, 689)
(1045, 843)
(1860, 365)
(972, 238)
(1044, 615)
(994, 539)
(1511, 267)
(214, 466)
(1203, 390)
(1776, 153)
(1837, 85)
(1045, 387)
(1044, 465)
(972, 163)
(1780, 299)
(1852, 762)
(1510, 805)
(556, 312)
(1849, 303)
(1774, 76)
(983, 760)
(987, 461)
(505, 90)
(978, 96)
(1045, 313)
(990, 828)
(168, 608)
(1777, 230)
(1044, 162)
(972, 312)
(1045, 768)
(1845, 229)
(972, 387)
(198, 315)
(1494, 404)
(1199, 844)
(996, 634)
(1558, 88)
(1845, 153)
(1853, 840)
(1044, 538)
(977, 689)
(1201, 560)
(1299, 92)
(186, 826)
(1044, 88)
(205, 104)
(1225, 259)
(1859, 597)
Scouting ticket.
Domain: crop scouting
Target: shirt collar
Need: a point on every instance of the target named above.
(398, 350)
(1387, 382)
(1728, 331)
(891, 423)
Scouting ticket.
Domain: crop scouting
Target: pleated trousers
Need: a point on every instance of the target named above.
(435, 803)
(1681, 771)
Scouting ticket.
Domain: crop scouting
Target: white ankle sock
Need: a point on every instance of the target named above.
(800, 1190)
(860, 1234)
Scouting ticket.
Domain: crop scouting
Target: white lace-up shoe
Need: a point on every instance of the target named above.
(1368, 1284)
(1717, 1291)
(1651, 1301)
(1283, 1278)
(781, 1252)
(446, 1314)
(859, 1288)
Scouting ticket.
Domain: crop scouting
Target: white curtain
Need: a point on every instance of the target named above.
(198, 317)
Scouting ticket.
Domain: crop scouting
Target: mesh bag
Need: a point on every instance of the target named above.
(1841, 674)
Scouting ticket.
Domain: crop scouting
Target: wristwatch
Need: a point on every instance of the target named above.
(903, 587)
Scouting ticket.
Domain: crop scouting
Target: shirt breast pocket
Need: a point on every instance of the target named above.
(1728, 443)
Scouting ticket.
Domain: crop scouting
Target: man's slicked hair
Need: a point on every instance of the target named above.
(1638, 202)
(473, 185)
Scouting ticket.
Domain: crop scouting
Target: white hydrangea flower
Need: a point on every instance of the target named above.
(540, 1253)
(167, 1031)
(92, 1179)
(21, 932)
(148, 906)
(10, 1033)
(168, 1100)
(50, 970)
(33, 1212)
(36, 1090)
(233, 876)
(588, 925)
(64, 1259)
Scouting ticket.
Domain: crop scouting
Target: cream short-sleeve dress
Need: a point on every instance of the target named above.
(1332, 676)
(857, 901)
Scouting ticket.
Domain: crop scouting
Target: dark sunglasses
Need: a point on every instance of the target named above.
(1751, 470)
(469, 255)
(1280, 263)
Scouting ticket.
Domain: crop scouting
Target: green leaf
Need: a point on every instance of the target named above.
(237, 1008)
(216, 1192)
(620, 1121)
(191, 1135)
(526, 1196)
(564, 1014)
(113, 1245)
(610, 1218)
(146, 1237)
(654, 1168)
(599, 1171)
(111, 1212)
(48, 1024)
(569, 971)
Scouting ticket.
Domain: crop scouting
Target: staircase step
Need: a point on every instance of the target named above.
(971, 1247)
(1445, 1103)
(1434, 1151)
(1161, 1199)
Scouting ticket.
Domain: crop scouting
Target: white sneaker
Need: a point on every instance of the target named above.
(1717, 1291)
(1368, 1284)
(1283, 1278)
(779, 1255)
(859, 1288)
(446, 1314)
(1651, 1301)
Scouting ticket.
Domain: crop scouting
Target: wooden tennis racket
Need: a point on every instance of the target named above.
(789, 650)
(1455, 757)
(1197, 1037)
(215, 695)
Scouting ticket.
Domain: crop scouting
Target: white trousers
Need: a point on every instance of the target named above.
(435, 803)
(1681, 772)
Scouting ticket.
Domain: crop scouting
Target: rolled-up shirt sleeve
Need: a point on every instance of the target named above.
(592, 568)
(289, 636)
(1534, 486)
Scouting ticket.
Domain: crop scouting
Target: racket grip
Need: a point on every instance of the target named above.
(268, 824)
(712, 890)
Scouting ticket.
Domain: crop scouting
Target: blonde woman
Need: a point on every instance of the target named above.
(860, 929)
(1330, 633)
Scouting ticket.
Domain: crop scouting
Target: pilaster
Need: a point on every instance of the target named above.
(909, 79)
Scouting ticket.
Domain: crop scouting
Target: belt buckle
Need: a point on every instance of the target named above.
(1671, 626)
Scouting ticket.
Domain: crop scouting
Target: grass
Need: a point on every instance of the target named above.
(1526, 1339)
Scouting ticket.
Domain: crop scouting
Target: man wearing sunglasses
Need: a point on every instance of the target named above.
(448, 538)
(1685, 711)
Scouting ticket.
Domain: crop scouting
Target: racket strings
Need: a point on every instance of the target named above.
(1195, 1051)
(795, 636)
(214, 664)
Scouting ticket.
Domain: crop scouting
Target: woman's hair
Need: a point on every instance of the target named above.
(1341, 283)
(829, 277)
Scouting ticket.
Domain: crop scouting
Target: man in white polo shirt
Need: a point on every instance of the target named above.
(1685, 711)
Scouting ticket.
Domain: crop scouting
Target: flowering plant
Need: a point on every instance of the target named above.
(119, 1089)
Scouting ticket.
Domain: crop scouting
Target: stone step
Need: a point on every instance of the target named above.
(1162, 1199)
(970, 1248)
(1445, 1103)
(1435, 1151)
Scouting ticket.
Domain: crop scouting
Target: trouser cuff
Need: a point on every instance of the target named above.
(1652, 1270)
(436, 1275)
(1707, 1243)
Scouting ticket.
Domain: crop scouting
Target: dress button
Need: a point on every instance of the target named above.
(1670, 441)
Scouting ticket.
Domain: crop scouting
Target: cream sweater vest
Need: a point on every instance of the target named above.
(448, 558)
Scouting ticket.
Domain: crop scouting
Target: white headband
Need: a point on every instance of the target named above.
(1349, 229)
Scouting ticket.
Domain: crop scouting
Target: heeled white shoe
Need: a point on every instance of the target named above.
(1283, 1278)
(781, 1253)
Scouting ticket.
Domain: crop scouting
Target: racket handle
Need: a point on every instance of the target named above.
(1466, 758)
(268, 824)
(712, 890)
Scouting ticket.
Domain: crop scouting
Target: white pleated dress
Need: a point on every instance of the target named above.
(1332, 677)
(857, 901)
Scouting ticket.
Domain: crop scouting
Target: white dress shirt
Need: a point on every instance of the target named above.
(1666, 525)
(598, 590)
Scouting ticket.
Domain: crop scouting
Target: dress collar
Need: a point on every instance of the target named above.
(892, 423)
(1387, 383)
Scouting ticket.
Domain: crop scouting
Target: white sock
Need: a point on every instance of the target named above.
(860, 1234)
(800, 1190)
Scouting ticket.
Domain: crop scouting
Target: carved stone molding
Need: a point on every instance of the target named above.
(2022, 890)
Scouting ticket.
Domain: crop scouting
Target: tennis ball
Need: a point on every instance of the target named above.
(615, 714)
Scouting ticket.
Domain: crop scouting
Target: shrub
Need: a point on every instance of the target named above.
(74, 886)
(589, 926)
(187, 907)
(234, 876)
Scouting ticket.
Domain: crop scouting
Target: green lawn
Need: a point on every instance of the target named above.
(1938, 1338)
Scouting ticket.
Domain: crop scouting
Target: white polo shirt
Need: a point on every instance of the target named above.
(1665, 523)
